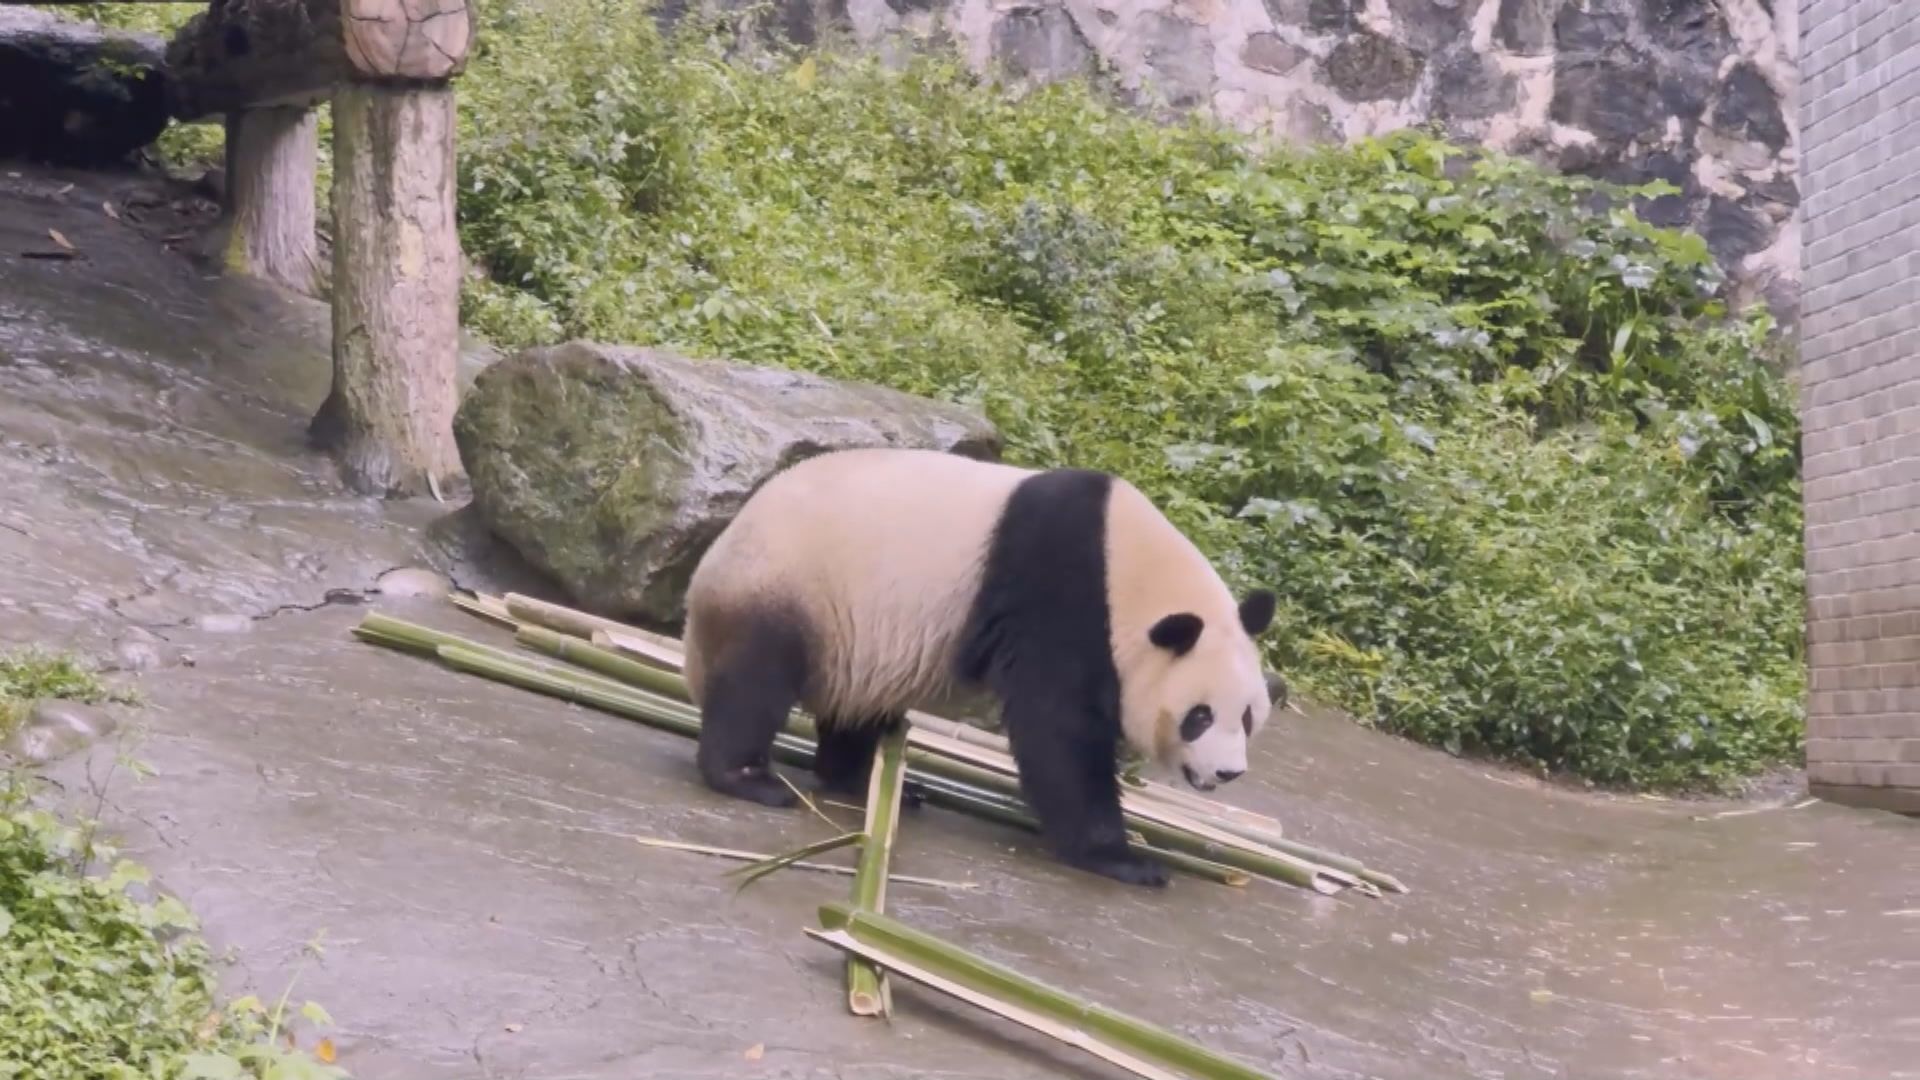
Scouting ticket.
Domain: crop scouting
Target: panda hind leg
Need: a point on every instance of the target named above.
(844, 762)
(749, 690)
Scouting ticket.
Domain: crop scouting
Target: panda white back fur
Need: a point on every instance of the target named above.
(862, 583)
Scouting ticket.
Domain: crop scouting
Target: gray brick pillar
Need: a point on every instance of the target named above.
(1860, 396)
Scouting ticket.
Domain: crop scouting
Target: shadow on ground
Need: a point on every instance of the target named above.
(466, 848)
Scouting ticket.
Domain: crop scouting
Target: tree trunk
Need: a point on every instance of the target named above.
(396, 285)
(272, 154)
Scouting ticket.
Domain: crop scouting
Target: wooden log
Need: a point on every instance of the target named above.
(268, 228)
(249, 53)
(396, 291)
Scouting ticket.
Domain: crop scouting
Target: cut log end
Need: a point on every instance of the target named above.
(408, 39)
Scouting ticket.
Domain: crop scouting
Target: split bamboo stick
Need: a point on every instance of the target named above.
(867, 991)
(906, 950)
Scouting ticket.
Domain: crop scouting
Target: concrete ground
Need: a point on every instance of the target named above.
(466, 849)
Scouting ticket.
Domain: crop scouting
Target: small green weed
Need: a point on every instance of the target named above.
(30, 675)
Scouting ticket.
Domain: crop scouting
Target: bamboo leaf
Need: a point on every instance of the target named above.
(755, 871)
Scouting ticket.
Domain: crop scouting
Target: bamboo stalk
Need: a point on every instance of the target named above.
(486, 607)
(659, 700)
(1066, 1033)
(422, 641)
(905, 949)
(756, 871)
(978, 803)
(600, 661)
(578, 623)
(560, 629)
(825, 868)
(867, 991)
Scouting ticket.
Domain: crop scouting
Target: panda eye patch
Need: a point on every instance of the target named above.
(1199, 719)
(1246, 720)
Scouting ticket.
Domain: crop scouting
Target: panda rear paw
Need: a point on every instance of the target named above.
(1126, 868)
(755, 783)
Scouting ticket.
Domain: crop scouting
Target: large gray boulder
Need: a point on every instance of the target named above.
(612, 468)
(73, 93)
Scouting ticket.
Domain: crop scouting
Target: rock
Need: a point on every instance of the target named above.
(1749, 109)
(82, 719)
(72, 93)
(1468, 86)
(224, 622)
(1041, 43)
(1179, 60)
(141, 650)
(1271, 53)
(1525, 26)
(1692, 29)
(611, 469)
(55, 729)
(413, 583)
(1592, 27)
(1734, 231)
(1334, 16)
(1613, 100)
(1431, 25)
(1368, 67)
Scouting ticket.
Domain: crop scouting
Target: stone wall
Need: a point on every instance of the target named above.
(1860, 398)
(1696, 92)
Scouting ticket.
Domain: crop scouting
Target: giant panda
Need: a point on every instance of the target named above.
(861, 583)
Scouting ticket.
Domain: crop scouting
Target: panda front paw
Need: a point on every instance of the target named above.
(1127, 868)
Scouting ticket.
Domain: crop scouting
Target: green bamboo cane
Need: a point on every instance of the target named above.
(997, 981)
(658, 708)
(867, 991)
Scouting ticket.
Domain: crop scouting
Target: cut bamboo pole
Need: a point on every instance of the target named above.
(906, 950)
(867, 991)
(928, 754)
(1066, 1033)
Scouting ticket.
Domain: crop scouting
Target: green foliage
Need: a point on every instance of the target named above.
(101, 978)
(1524, 489)
(30, 675)
(97, 984)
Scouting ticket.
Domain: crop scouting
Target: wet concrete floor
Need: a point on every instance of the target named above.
(466, 849)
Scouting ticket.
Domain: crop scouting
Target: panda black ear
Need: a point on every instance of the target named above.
(1256, 612)
(1177, 633)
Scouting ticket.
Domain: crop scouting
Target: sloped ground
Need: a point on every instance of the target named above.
(465, 849)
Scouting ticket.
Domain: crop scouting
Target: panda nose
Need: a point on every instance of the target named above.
(1229, 774)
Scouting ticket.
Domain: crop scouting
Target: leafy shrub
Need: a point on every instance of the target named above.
(97, 980)
(1525, 489)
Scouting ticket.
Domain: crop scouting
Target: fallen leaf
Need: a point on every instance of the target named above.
(1541, 995)
(324, 1051)
(513, 1028)
(111, 212)
(60, 239)
(64, 188)
(756, 1051)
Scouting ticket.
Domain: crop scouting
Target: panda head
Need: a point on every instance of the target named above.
(1209, 694)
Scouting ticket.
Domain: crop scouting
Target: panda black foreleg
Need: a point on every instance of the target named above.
(1067, 777)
